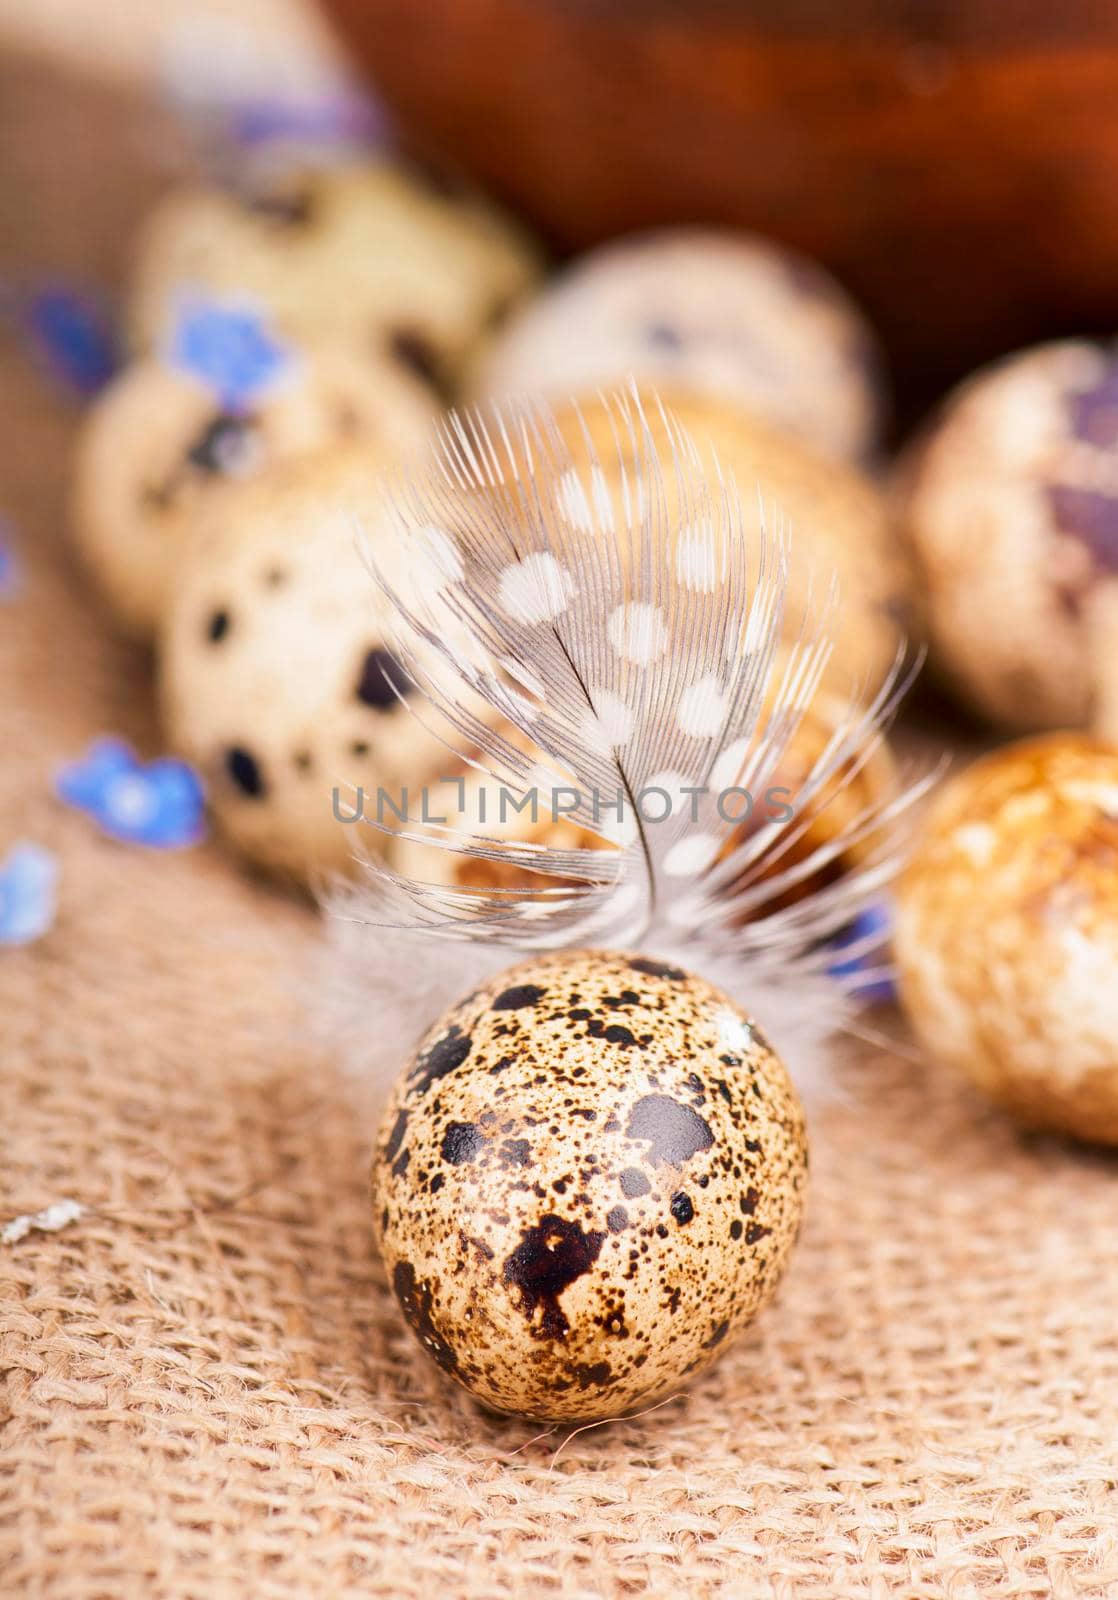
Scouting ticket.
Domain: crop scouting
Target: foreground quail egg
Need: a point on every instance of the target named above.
(158, 446)
(710, 311)
(1008, 505)
(1006, 935)
(587, 1180)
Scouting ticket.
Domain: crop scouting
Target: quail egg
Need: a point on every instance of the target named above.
(1006, 935)
(587, 1180)
(385, 257)
(711, 311)
(158, 446)
(276, 672)
(1008, 506)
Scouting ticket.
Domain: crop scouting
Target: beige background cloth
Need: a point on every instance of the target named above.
(206, 1391)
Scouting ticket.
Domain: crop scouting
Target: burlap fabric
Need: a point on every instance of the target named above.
(208, 1392)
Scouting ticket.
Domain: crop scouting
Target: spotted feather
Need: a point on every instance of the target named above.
(606, 620)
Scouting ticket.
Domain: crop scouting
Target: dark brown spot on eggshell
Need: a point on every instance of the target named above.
(515, 1153)
(225, 446)
(674, 1131)
(244, 772)
(414, 351)
(547, 1260)
(634, 1182)
(519, 996)
(612, 1033)
(382, 680)
(657, 969)
(294, 209)
(415, 1301)
(444, 1056)
(595, 1376)
(396, 1137)
(462, 1141)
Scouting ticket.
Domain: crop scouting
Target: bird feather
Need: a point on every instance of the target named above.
(605, 621)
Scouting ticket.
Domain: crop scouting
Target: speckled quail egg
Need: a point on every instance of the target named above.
(158, 444)
(714, 312)
(1006, 933)
(588, 1178)
(389, 259)
(275, 677)
(1008, 503)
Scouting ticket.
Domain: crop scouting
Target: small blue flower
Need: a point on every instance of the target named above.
(28, 883)
(867, 938)
(74, 336)
(160, 804)
(229, 348)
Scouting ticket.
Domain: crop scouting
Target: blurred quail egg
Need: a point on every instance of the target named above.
(1008, 505)
(277, 677)
(386, 258)
(1006, 935)
(158, 445)
(707, 311)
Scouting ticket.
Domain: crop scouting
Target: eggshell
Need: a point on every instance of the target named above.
(720, 313)
(1008, 505)
(587, 1180)
(275, 676)
(157, 446)
(383, 257)
(1006, 935)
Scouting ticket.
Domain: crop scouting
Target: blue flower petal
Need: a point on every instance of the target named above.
(82, 783)
(160, 804)
(867, 939)
(228, 348)
(28, 893)
(74, 336)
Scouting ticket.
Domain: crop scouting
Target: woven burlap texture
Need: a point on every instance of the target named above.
(208, 1392)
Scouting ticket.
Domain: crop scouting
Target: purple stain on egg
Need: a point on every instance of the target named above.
(28, 893)
(160, 804)
(345, 117)
(10, 576)
(1094, 411)
(230, 349)
(74, 336)
(862, 961)
(1089, 517)
(1088, 514)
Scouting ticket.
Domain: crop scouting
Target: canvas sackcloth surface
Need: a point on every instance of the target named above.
(207, 1392)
